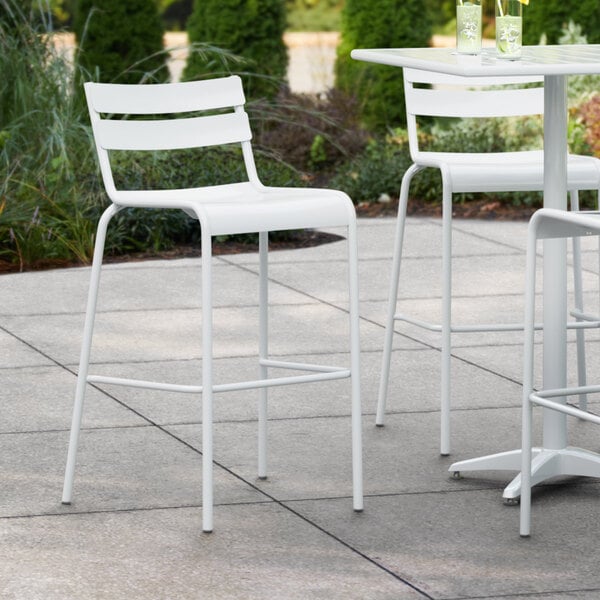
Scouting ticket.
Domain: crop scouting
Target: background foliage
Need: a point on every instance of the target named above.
(378, 24)
(51, 196)
(252, 29)
(120, 40)
(548, 18)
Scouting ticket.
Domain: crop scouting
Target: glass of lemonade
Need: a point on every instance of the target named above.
(468, 26)
(509, 28)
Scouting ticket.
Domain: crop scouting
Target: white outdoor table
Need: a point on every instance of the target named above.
(555, 63)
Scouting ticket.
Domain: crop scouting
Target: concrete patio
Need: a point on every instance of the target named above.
(134, 528)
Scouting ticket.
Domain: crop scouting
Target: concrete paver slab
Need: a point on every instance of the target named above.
(466, 545)
(117, 469)
(174, 284)
(376, 241)
(414, 384)
(256, 552)
(15, 353)
(41, 399)
(402, 457)
(176, 334)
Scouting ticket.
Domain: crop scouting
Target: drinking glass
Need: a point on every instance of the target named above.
(509, 28)
(468, 26)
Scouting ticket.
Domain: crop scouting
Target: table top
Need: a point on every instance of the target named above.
(535, 60)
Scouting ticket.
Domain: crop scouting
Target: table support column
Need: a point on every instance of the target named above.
(555, 261)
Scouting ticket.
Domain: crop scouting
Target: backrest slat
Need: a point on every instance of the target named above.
(173, 134)
(480, 103)
(418, 76)
(162, 98)
(467, 97)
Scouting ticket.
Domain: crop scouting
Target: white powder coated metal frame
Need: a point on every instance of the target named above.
(469, 97)
(548, 223)
(233, 208)
(555, 64)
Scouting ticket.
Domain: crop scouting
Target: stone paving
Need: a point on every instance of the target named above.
(133, 530)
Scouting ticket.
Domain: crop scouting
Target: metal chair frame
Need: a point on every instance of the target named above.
(243, 207)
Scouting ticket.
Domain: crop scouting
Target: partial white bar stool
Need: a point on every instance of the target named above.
(431, 94)
(547, 224)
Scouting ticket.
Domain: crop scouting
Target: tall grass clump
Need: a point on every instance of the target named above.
(45, 148)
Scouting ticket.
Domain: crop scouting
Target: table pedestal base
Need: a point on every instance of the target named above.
(545, 464)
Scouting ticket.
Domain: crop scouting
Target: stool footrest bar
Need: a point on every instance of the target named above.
(567, 409)
(223, 387)
(280, 364)
(588, 322)
(593, 319)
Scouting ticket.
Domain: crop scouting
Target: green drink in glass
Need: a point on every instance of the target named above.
(468, 26)
(509, 28)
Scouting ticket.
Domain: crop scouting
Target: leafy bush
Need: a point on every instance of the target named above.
(549, 17)
(590, 114)
(120, 40)
(252, 30)
(378, 24)
(377, 171)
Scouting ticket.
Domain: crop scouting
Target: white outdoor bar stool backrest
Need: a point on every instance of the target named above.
(466, 97)
(224, 120)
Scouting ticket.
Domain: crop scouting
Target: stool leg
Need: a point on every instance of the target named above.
(357, 472)
(207, 384)
(525, 508)
(446, 313)
(578, 293)
(393, 294)
(86, 345)
(528, 358)
(263, 348)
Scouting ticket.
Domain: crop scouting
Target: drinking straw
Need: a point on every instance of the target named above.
(500, 7)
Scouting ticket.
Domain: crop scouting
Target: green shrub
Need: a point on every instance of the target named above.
(120, 40)
(549, 17)
(251, 29)
(379, 24)
(377, 171)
